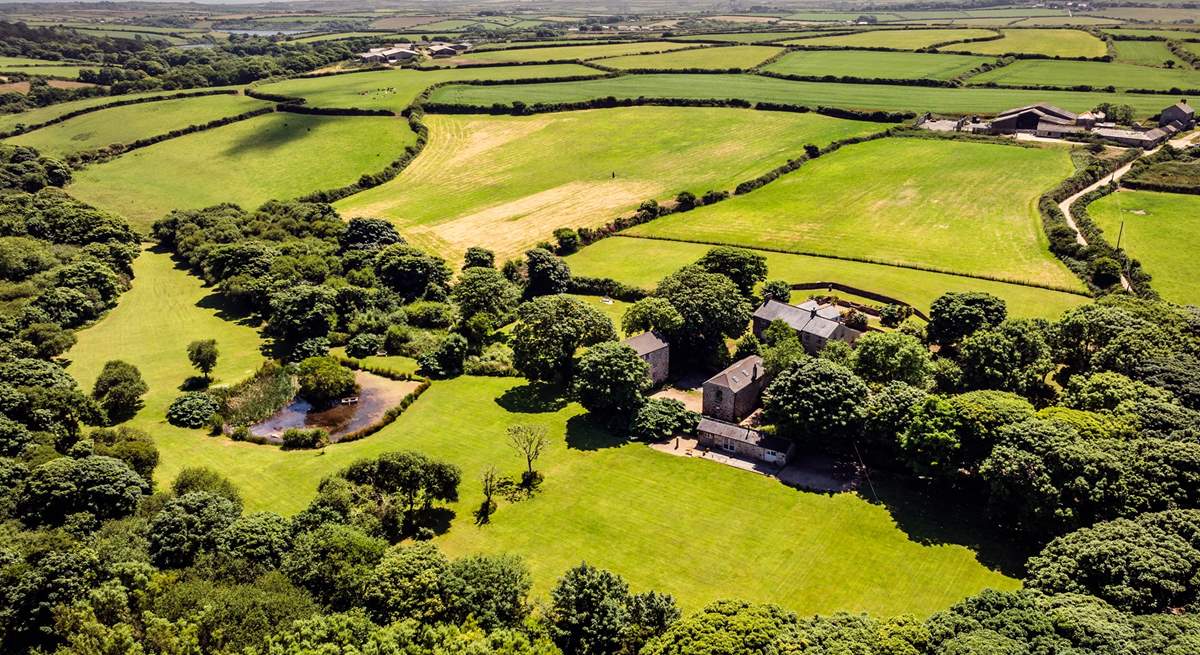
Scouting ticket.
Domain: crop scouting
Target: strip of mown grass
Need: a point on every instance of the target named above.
(643, 262)
(875, 64)
(1032, 72)
(131, 122)
(277, 156)
(955, 206)
(756, 88)
(1147, 53)
(738, 56)
(1162, 231)
(559, 53)
(508, 182)
(1049, 42)
(903, 39)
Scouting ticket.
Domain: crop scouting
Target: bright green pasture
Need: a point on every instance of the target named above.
(746, 37)
(276, 156)
(738, 56)
(131, 35)
(1162, 230)
(1049, 42)
(1095, 73)
(558, 53)
(756, 88)
(904, 39)
(508, 182)
(664, 522)
(643, 262)
(867, 63)
(955, 206)
(9, 63)
(43, 114)
(66, 71)
(1164, 34)
(1146, 53)
(132, 122)
(1055, 21)
(396, 89)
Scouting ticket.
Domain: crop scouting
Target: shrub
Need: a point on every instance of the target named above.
(430, 314)
(192, 410)
(660, 418)
(323, 380)
(297, 439)
(364, 345)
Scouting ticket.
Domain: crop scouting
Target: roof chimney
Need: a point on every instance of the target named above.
(754, 376)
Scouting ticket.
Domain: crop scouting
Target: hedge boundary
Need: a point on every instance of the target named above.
(110, 105)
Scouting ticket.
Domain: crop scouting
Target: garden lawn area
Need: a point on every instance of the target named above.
(712, 58)
(396, 89)
(566, 52)
(507, 182)
(875, 64)
(1097, 74)
(643, 262)
(1049, 42)
(131, 122)
(756, 88)
(50, 112)
(276, 156)
(394, 363)
(1146, 53)
(913, 39)
(746, 37)
(1162, 230)
(955, 206)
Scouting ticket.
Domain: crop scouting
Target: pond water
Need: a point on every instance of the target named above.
(376, 395)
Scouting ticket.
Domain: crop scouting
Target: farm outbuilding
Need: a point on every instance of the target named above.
(655, 351)
(744, 442)
(815, 323)
(732, 394)
(1180, 112)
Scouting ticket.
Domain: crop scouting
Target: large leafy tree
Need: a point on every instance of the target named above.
(484, 290)
(118, 390)
(548, 332)
(816, 401)
(954, 316)
(334, 563)
(650, 314)
(545, 274)
(730, 627)
(744, 267)
(187, 526)
(103, 487)
(1012, 357)
(712, 308)
(892, 357)
(410, 271)
(411, 582)
(610, 380)
(592, 612)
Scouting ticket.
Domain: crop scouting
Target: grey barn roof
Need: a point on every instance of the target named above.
(1057, 114)
(773, 310)
(740, 375)
(646, 343)
(746, 435)
(821, 327)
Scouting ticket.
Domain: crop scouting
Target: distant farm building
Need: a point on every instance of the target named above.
(732, 394)
(442, 51)
(1181, 113)
(744, 442)
(1052, 122)
(655, 351)
(816, 324)
(394, 55)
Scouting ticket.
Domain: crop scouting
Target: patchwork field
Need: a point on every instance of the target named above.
(875, 64)
(746, 37)
(396, 89)
(249, 162)
(510, 181)
(955, 206)
(50, 112)
(1162, 34)
(903, 39)
(643, 262)
(1147, 53)
(1094, 73)
(560, 53)
(614, 505)
(132, 122)
(738, 56)
(1162, 230)
(1049, 42)
(755, 88)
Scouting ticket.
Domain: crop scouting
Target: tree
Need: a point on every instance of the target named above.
(203, 355)
(490, 482)
(323, 380)
(650, 314)
(893, 315)
(479, 257)
(369, 234)
(411, 582)
(392, 494)
(816, 400)
(548, 332)
(1015, 357)
(659, 418)
(712, 307)
(119, 390)
(731, 627)
(410, 271)
(188, 525)
(589, 611)
(103, 487)
(193, 409)
(953, 316)
(545, 274)
(200, 478)
(303, 312)
(48, 339)
(746, 268)
(610, 380)
(260, 539)
(446, 360)
(1106, 272)
(568, 240)
(130, 445)
(493, 590)
(892, 357)
(778, 290)
(529, 441)
(485, 290)
(334, 563)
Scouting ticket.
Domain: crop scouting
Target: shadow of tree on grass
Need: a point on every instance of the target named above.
(534, 398)
(584, 433)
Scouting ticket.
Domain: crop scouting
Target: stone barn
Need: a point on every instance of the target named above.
(655, 351)
(732, 394)
(743, 442)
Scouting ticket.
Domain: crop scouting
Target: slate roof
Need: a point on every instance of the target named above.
(1183, 106)
(1045, 126)
(745, 435)
(821, 327)
(1050, 112)
(800, 317)
(740, 375)
(646, 343)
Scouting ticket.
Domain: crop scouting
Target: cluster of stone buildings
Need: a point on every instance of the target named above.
(402, 53)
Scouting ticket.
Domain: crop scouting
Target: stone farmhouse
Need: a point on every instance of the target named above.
(1049, 121)
(655, 351)
(744, 442)
(815, 323)
(732, 394)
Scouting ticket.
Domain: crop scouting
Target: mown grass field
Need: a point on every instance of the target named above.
(875, 64)
(643, 262)
(558, 53)
(1162, 230)
(665, 522)
(1049, 42)
(1147, 53)
(756, 88)
(956, 206)
(508, 182)
(276, 156)
(738, 56)
(746, 37)
(396, 89)
(1163, 34)
(131, 122)
(65, 71)
(903, 39)
(1094, 73)
(43, 114)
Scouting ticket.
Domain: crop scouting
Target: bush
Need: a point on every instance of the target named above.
(192, 410)
(297, 439)
(660, 418)
(364, 345)
(323, 380)
(430, 314)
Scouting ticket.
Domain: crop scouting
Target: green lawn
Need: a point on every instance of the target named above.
(643, 262)
(396, 89)
(1163, 34)
(867, 63)
(738, 56)
(664, 522)
(952, 205)
(757, 88)
(43, 114)
(904, 39)
(395, 363)
(558, 53)
(1049, 42)
(1162, 230)
(132, 122)
(1146, 53)
(1095, 73)
(508, 182)
(277, 156)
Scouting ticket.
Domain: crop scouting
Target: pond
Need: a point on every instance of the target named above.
(376, 395)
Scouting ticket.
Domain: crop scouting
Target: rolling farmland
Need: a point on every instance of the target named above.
(1161, 230)
(872, 64)
(1050, 42)
(563, 53)
(740, 56)
(902, 39)
(1096, 74)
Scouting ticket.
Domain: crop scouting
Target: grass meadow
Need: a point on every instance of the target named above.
(1049, 42)
(757, 88)
(914, 39)
(869, 63)
(738, 56)
(559, 53)
(50, 112)
(132, 122)
(508, 182)
(665, 522)
(1162, 230)
(1095, 73)
(1162, 34)
(41, 70)
(276, 156)
(956, 206)
(747, 37)
(1146, 53)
